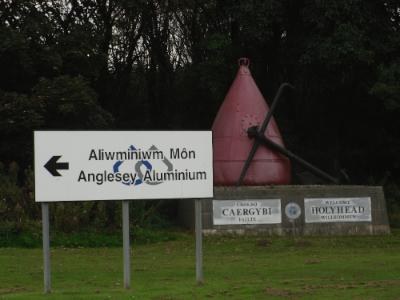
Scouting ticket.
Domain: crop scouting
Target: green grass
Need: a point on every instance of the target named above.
(234, 268)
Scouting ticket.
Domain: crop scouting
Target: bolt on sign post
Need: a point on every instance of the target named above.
(120, 165)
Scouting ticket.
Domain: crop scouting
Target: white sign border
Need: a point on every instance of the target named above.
(161, 197)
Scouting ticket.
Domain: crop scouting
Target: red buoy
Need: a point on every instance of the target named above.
(243, 107)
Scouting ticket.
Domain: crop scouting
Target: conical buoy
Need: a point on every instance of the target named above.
(243, 107)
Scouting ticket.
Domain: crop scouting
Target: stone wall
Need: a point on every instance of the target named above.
(288, 194)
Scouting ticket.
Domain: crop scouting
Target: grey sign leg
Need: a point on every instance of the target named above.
(46, 247)
(126, 244)
(199, 242)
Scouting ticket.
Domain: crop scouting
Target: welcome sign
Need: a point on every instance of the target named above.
(322, 210)
(116, 165)
(251, 211)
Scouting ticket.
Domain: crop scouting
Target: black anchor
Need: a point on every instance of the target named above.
(260, 139)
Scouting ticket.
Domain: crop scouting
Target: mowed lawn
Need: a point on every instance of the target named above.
(235, 267)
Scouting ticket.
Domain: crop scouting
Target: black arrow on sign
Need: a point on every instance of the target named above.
(53, 166)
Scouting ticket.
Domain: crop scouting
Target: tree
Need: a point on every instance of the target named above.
(149, 64)
(19, 116)
(70, 103)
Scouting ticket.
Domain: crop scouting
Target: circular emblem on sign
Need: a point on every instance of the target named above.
(292, 210)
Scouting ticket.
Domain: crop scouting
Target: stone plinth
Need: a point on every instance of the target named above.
(376, 224)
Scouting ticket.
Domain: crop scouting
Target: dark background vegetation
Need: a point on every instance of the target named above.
(149, 64)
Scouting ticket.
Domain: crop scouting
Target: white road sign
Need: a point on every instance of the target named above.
(116, 165)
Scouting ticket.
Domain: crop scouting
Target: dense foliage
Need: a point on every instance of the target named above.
(150, 64)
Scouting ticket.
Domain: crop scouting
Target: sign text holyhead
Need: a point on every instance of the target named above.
(116, 165)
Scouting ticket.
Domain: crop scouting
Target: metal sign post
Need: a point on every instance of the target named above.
(199, 242)
(126, 244)
(46, 247)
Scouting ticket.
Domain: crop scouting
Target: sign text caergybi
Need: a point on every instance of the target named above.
(252, 211)
(320, 210)
(113, 165)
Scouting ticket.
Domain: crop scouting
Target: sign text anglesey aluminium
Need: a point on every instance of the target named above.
(114, 165)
